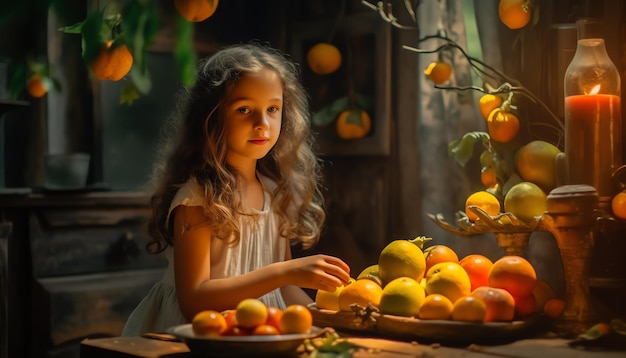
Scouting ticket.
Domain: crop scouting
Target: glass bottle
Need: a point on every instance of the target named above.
(593, 123)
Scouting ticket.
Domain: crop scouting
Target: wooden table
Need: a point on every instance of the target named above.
(553, 347)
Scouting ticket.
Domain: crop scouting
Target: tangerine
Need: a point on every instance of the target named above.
(499, 302)
(112, 62)
(36, 86)
(329, 300)
(488, 176)
(525, 306)
(554, 307)
(477, 267)
(502, 126)
(353, 124)
(323, 58)
(514, 274)
(439, 253)
(273, 316)
(361, 292)
(515, 14)
(438, 72)
(265, 330)
(469, 309)
(196, 10)
(618, 205)
(208, 323)
(543, 292)
(488, 102)
(435, 306)
(296, 319)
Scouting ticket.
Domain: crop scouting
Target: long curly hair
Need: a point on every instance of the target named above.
(195, 148)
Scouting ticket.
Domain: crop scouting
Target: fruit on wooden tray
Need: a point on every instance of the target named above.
(448, 279)
(402, 297)
(329, 300)
(402, 258)
(361, 292)
(473, 288)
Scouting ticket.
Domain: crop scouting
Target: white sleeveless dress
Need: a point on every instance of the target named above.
(260, 245)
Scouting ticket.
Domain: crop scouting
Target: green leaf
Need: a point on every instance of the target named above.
(141, 80)
(91, 31)
(129, 94)
(184, 53)
(328, 114)
(77, 28)
(462, 149)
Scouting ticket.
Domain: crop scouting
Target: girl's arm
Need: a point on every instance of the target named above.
(192, 266)
(293, 294)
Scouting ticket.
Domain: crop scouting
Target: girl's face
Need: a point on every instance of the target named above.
(253, 115)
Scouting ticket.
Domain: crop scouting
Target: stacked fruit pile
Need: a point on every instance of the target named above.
(253, 317)
(434, 284)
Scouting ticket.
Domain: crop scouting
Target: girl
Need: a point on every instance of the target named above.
(239, 182)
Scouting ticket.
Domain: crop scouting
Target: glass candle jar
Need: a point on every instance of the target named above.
(593, 123)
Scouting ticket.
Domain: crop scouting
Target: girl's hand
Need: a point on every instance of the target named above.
(320, 272)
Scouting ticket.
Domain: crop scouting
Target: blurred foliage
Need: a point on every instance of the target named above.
(131, 22)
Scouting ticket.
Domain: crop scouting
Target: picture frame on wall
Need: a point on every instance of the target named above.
(364, 40)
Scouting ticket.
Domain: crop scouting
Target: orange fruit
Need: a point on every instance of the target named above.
(231, 318)
(196, 10)
(265, 330)
(237, 331)
(353, 124)
(525, 306)
(488, 102)
(251, 312)
(484, 200)
(618, 205)
(401, 297)
(502, 126)
(273, 316)
(515, 14)
(361, 292)
(401, 258)
(554, 307)
(435, 306)
(112, 63)
(514, 274)
(437, 254)
(36, 86)
(208, 323)
(488, 176)
(438, 72)
(477, 267)
(542, 292)
(469, 309)
(296, 319)
(448, 279)
(499, 302)
(323, 58)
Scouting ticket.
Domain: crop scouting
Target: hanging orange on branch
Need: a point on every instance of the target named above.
(515, 14)
(196, 10)
(353, 124)
(112, 62)
(324, 58)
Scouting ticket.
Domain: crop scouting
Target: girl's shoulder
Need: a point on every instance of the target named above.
(190, 194)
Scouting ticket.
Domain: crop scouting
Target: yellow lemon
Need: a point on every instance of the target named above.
(329, 300)
(525, 200)
(401, 258)
(448, 279)
(536, 163)
(402, 297)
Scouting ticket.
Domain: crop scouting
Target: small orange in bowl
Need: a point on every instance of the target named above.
(296, 319)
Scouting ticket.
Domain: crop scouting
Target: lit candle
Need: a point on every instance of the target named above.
(593, 133)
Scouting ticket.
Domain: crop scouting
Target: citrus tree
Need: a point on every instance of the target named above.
(115, 39)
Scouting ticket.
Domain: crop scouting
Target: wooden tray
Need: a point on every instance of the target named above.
(370, 322)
